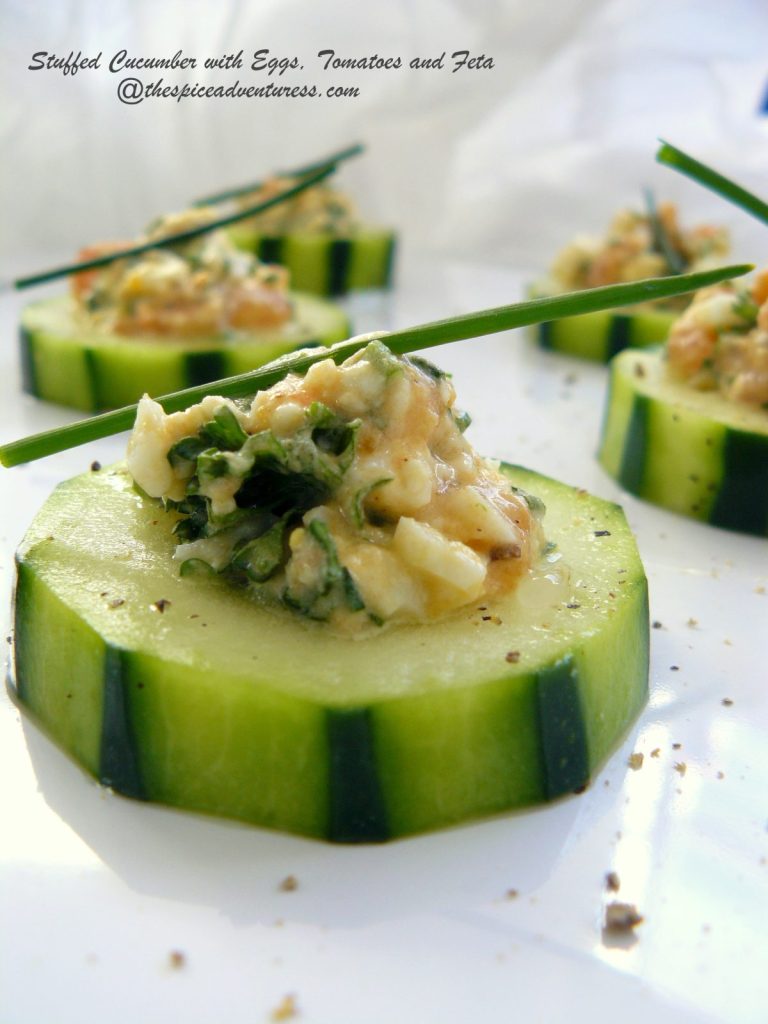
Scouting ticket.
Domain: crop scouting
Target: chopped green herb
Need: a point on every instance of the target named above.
(211, 465)
(429, 368)
(335, 586)
(534, 503)
(281, 493)
(194, 509)
(462, 420)
(196, 567)
(96, 300)
(262, 557)
(380, 355)
(185, 452)
(357, 511)
(224, 430)
(275, 482)
(330, 432)
(745, 307)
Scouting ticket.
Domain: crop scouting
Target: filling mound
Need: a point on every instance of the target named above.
(202, 287)
(349, 495)
(720, 343)
(639, 245)
(320, 210)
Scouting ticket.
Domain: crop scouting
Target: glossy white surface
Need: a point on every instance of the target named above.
(98, 891)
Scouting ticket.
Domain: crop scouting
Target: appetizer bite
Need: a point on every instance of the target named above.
(318, 609)
(331, 616)
(686, 427)
(166, 315)
(319, 235)
(636, 245)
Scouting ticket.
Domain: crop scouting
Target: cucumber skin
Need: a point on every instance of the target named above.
(602, 335)
(323, 265)
(81, 374)
(368, 776)
(720, 472)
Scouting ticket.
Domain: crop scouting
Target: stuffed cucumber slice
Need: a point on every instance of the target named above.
(68, 360)
(185, 691)
(635, 245)
(324, 263)
(318, 235)
(694, 452)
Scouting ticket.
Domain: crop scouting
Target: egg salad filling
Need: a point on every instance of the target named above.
(319, 210)
(639, 245)
(720, 343)
(200, 288)
(349, 495)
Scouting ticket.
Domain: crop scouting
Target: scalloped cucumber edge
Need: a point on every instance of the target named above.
(325, 265)
(687, 452)
(157, 729)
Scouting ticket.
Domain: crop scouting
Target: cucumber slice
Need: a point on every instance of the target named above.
(183, 690)
(690, 451)
(324, 264)
(64, 362)
(600, 336)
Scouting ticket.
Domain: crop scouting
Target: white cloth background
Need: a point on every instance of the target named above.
(499, 165)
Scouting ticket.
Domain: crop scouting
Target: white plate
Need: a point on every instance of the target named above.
(100, 893)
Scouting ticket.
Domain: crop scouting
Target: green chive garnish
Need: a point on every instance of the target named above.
(439, 332)
(176, 239)
(680, 161)
(297, 172)
(662, 243)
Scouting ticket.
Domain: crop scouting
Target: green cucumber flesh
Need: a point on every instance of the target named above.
(324, 264)
(185, 691)
(692, 452)
(602, 335)
(68, 362)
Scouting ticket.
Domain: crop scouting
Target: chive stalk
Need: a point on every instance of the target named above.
(177, 238)
(661, 240)
(673, 157)
(439, 332)
(332, 160)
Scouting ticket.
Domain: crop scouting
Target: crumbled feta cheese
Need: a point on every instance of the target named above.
(449, 563)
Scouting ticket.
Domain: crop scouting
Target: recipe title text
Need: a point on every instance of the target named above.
(278, 75)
